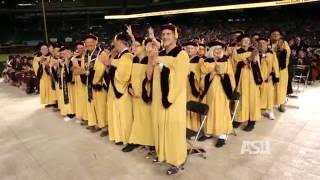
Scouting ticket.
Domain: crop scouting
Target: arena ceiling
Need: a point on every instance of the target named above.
(29, 8)
(16, 4)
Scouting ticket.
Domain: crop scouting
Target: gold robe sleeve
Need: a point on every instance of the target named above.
(230, 72)
(98, 74)
(35, 65)
(123, 72)
(178, 73)
(275, 66)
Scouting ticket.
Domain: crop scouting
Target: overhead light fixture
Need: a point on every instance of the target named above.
(210, 9)
(25, 4)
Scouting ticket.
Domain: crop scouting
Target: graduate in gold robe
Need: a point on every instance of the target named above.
(42, 69)
(142, 127)
(53, 48)
(55, 72)
(270, 76)
(67, 83)
(248, 79)
(193, 85)
(94, 70)
(254, 40)
(80, 84)
(119, 104)
(234, 43)
(202, 50)
(282, 50)
(168, 70)
(218, 86)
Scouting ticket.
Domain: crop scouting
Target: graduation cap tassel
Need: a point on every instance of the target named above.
(176, 33)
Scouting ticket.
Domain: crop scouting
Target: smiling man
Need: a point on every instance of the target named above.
(169, 70)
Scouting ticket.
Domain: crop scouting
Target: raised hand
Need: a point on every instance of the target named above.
(129, 31)
(151, 33)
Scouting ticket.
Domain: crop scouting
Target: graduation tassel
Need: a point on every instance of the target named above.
(176, 33)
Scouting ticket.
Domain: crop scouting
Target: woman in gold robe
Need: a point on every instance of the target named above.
(218, 85)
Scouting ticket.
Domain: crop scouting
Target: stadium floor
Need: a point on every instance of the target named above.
(35, 143)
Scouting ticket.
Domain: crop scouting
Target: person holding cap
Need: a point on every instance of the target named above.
(168, 71)
(248, 79)
(218, 85)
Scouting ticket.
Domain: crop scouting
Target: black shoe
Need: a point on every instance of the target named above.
(236, 124)
(48, 105)
(203, 138)
(156, 160)
(152, 148)
(220, 143)
(250, 126)
(130, 147)
(119, 143)
(84, 123)
(104, 133)
(281, 108)
(90, 128)
(95, 130)
(173, 170)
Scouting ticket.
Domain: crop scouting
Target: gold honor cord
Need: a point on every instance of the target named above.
(209, 9)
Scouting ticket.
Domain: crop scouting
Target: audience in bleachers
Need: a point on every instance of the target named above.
(18, 72)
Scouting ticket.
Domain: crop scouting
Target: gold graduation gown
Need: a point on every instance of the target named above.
(142, 127)
(217, 92)
(248, 79)
(230, 52)
(53, 93)
(81, 94)
(67, 84)
(56, 71)
(169, 99)
(36, 64)
(43, 74)
(283, 61)
(270, 75)
(193, 92)
(119, 105)
(96, 106)
(59, 92)
(99, 94)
